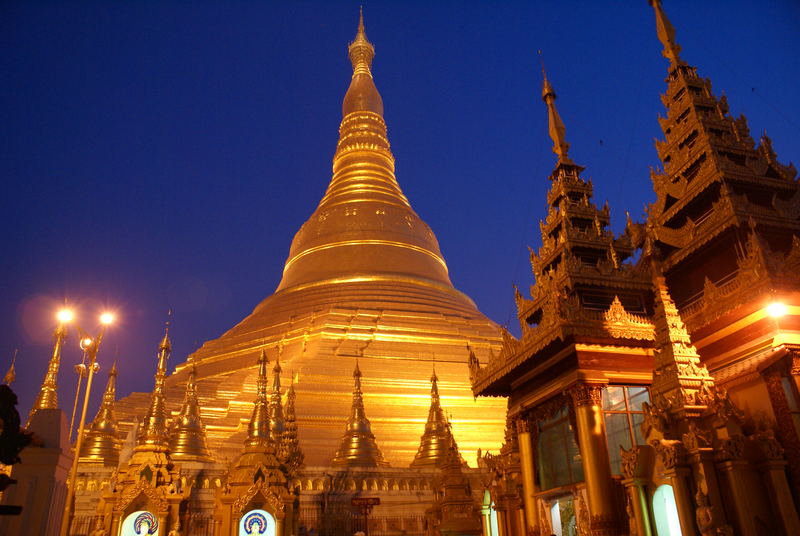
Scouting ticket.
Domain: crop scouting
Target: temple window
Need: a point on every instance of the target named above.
(558, 456)
(562, 517)
(623, 415)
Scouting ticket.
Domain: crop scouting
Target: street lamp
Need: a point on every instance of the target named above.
(90, 355)
(80, 370)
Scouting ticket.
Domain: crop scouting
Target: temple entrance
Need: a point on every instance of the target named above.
(665, 512)
(141, 523)
(562, 517)
(258, 523)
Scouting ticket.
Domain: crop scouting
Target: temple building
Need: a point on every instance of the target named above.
(654, 390)
(655, 385)
(350, 337)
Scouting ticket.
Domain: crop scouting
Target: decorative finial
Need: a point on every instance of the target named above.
(666, 34)
(557, 129)
(101, 444)
(166, 344)
(361, 51)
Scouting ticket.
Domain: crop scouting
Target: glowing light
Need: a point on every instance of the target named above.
(86, 342)
(776, 309)
(106, 318)
(65, 315)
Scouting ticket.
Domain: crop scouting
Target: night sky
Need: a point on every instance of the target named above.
(161, 155)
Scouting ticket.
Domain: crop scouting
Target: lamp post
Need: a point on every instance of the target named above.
(80, 369)
(91, 355)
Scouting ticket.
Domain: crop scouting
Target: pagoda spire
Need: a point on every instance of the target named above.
(666, 34)
(258, 429)
(48, 393)
(188, 437)
(11, 373)
(438, 437)
(102, 444)
(276, 420)
(358, 447)
(556, 128)
(153, 435)
(290, 443)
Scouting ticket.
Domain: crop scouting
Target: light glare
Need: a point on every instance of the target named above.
(776, 309)
(65, 315)
(106, 318)
(86, 343)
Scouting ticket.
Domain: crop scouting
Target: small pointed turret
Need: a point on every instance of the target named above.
(11, 373)
(557, 130)
(358, 447)
(276, 420)
(258, 429)
(153, 433)
(437, 439)
(102, 445)
(188, 437)
(48, 394)
(290, 443)
(666, 34)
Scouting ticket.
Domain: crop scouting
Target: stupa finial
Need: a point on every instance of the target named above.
(258, 429)
(437, 437)
(666, 34)
(101, 444)
(153, 434)
(557, 130)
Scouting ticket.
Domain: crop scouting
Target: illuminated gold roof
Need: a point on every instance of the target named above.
(48, 393)
(358, 447)
(101, 444)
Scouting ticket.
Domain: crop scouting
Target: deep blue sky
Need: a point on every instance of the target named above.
(162, 155)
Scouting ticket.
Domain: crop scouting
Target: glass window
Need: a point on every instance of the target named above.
(558, 457)
(622, 411)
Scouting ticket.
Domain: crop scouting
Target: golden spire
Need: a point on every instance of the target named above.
(153, 435)
(437, 439)
(666, 34)
(188, 436)
(558, 131)
(364, 223)
(358, 447)
(276, 421)
(258, 429)
(290, 444)
(102, 445)
(11, 374)
(48, 394)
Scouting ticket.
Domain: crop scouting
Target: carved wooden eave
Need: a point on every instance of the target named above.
(615, 326)
(759, 272)
(267, 493)
(155, 497)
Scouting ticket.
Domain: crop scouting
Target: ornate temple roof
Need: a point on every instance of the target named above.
(101, 444)
(437, 439)
(188, 434)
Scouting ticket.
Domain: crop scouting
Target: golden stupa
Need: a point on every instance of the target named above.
(365, 280)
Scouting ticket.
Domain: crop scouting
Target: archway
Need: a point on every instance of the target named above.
(257, 523)
(665, 512)
(140, 523)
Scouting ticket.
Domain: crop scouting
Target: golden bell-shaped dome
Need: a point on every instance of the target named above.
(188, 437)
(437, 439)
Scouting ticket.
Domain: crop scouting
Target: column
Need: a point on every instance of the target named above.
(586, 399)
(780, 495)
(486, 521)
(527, 464)
(638, 498)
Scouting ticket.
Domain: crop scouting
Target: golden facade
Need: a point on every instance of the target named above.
(657, 395)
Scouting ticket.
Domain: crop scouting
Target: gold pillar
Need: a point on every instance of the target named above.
(486, 520)
(526, 457)
(586, 400)
(641, 511)
(279, 526)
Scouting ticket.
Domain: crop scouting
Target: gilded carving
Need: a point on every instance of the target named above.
(630, 460)
(667, 453)
(586, 394)
(260, 487)
(142, 487)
